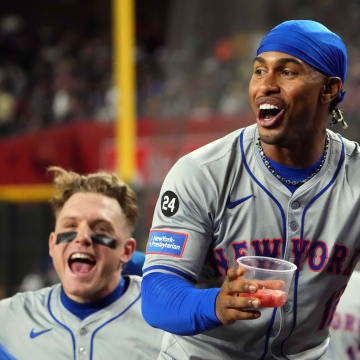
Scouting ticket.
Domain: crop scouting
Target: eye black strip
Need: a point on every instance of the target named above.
(66, 237)
(100, 239)
(104, 240)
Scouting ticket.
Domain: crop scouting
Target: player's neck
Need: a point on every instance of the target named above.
(298, 155)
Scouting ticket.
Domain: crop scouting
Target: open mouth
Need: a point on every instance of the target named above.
(81, 264)
(269, 114)
(268, 111)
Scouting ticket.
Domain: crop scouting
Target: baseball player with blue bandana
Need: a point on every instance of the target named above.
(286, 187)
(95, 312)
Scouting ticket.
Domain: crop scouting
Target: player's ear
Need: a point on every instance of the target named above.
(52, 243)
(331, 89)
(129, 248)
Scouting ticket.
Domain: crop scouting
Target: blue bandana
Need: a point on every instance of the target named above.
(311, 42)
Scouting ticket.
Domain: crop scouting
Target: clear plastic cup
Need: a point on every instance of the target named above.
(273, 275)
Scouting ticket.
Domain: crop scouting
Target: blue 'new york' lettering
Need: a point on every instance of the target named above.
(240, 249)
(299, 249)
(270, 248)
(318, 255)
(222, 263)
(336, 261)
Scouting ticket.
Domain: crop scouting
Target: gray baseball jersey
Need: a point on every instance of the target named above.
(220, 202)
(36, 325)
(345, 326)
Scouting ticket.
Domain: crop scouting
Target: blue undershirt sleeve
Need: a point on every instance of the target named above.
(172, 304)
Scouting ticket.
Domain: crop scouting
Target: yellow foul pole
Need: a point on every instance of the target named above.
(124, 81)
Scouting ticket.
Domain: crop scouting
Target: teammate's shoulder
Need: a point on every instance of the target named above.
(28, 298)
(134, 280)
(134, 277)
(132, 287)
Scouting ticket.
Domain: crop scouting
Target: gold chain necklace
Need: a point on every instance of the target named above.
(287, 181)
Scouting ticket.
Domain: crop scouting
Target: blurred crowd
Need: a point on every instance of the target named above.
(50, 78)
(56, 77)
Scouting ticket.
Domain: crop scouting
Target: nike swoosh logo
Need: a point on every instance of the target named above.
(232, 204)
(34, 334)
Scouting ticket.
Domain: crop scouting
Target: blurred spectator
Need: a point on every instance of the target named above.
(32, 282)
(7, 111)
(42, 275)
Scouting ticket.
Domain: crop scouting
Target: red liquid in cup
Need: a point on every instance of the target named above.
(268, 297)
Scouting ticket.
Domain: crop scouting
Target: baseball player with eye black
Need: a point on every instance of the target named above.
(95, 312)
(285, 187)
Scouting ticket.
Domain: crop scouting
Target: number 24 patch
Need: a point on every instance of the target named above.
(169, 203)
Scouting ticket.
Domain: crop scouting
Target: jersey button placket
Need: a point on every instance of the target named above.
(82, 350)
(293, 225)
(295, 205)
(293, 213)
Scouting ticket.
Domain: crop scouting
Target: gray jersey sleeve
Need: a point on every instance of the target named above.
(181, 216)
(185, 217)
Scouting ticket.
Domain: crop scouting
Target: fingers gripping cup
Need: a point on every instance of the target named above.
(274, 277)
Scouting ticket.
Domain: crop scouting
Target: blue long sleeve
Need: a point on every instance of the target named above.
(172, 304)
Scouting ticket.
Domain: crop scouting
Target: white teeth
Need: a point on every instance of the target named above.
(80, 256)
(267, 107)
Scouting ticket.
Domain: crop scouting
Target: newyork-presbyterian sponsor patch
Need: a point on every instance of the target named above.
(166, 243)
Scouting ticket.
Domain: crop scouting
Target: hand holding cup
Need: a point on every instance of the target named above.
(273, 277)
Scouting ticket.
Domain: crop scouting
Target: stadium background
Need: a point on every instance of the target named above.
(192, 64)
